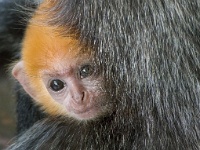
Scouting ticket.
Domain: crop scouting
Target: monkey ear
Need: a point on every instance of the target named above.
(19, 73)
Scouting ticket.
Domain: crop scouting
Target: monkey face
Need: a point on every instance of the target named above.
(78, 89)
(59, 74)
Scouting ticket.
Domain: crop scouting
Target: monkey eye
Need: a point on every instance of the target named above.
(86, 71)
(57, 85)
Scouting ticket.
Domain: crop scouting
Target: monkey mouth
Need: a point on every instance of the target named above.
(82, 112)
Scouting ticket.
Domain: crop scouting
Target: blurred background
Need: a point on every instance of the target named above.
(7, 108)
(9, 41)
(13, 20)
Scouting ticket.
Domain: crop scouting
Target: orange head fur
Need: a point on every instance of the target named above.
(44, 49)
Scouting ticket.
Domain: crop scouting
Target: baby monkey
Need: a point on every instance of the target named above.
(58, 73)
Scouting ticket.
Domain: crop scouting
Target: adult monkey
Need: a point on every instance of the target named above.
(149, 53)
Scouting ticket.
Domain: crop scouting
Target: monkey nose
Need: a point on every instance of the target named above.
(78, 97)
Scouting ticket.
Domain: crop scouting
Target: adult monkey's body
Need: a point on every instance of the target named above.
(149, 57)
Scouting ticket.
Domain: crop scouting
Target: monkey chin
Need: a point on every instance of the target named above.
(89, 114)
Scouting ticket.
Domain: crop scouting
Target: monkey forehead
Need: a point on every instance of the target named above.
(45, 40)
(63, 67)
(44, 48)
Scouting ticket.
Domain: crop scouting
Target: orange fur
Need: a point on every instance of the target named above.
(44, 49)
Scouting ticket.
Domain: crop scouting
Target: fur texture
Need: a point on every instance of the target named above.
(149, 52)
